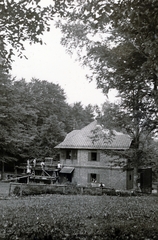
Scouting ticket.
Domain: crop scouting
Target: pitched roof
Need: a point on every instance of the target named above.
(86, 139)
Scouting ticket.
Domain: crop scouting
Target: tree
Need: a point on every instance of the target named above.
(118, 42)
(24, 104)
(26, 20)
(44, 116)
(81, 116)
(143, 149)
(51, 133)
(8, 121)
(98, 27)
(28, 117)
(22, 21)
(35, 117)
(89, 113)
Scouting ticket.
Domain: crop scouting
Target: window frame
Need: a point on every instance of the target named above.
(91, 157)
(68, 154)
(93, 177)
(71, 154)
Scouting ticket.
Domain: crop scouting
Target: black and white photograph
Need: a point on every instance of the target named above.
(79, 119)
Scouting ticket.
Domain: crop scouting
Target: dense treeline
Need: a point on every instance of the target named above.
(34, 117)
(116, 40)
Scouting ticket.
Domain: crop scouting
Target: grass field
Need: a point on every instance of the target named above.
(79, 217)
(4, 189)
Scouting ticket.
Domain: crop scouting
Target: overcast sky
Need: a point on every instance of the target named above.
(51, 62)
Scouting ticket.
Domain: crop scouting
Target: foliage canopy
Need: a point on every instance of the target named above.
(118, 41)
(34, 117)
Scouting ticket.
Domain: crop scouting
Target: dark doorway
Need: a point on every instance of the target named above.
(145, 179)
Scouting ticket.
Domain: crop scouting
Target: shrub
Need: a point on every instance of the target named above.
(33, 190)
(69, 189)
(16, 191)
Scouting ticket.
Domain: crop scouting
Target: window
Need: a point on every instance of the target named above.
(68, 154)
(74, 154)
(71, 154)
(93, 178)
(93, 156)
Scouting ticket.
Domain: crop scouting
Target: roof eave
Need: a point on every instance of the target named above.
(93, 147)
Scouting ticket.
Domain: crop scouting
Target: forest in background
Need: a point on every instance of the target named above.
(35, 117)
(124, 57)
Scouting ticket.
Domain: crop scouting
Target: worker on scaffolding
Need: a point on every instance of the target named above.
(28, 167)
(43, 168)
(43, 165)
(34, 165)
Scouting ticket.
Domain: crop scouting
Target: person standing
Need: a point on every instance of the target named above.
(28, 167)
(42, 165)
(34, 165)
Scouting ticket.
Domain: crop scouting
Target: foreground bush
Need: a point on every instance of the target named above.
(79, 217)
(34, 189)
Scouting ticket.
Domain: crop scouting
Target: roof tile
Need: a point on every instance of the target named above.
(85, 139)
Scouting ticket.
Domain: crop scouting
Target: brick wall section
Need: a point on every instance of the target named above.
(82, 159)
(112, 177)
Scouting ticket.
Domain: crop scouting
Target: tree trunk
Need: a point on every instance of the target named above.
(155, 89)
(2, 171)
